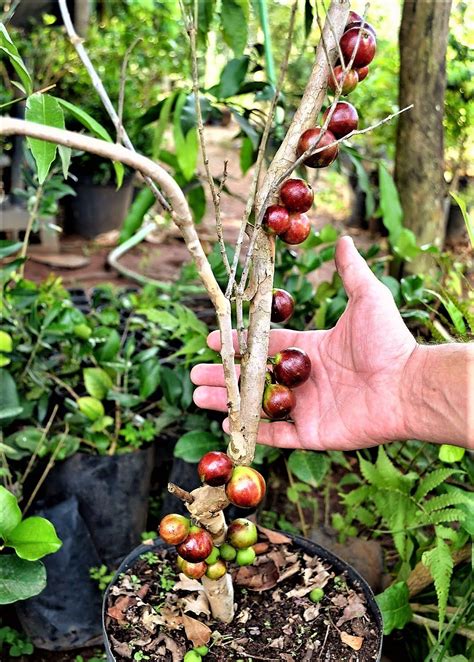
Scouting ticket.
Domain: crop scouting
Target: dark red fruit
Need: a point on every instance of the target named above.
(215, 468)
(296, 195)
(283, 306)
(363, 72)
(197, 546)
(343, 120)
(246, 488)
(193, 570)
(365, 51)
(300, 227)
(291, 367)
(350, 81)
(276, 219)
(242, 533)
(353, 16)
(174, 528)
(278, 401)
(360, 24)
(321, 159)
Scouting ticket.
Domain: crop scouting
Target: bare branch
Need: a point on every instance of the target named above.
(104, 97)
(123, 80)
(261, 155)
(180, 493)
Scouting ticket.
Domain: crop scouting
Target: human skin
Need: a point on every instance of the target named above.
(371, 382)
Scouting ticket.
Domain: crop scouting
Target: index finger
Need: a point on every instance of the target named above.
(279, 339)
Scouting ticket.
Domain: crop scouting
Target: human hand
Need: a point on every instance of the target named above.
(353, 398)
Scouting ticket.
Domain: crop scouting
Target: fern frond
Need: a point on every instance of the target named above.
(364, 515)
(440, 564)
(384, 474)
(433, 480)
(445, 500)
(447, 515)
(357, 496)
(446, 533)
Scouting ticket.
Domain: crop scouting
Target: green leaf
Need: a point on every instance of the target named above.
(308, 466)
(97, 382)
(412, 288)
(171, 386)
(232, 77)
(234, 22)
(20, 579)
(186, 146)
(392, 214)
(90, 123)
(10, 513)
(33, 538)
(394, 287)
(43, 109)
(149, 375)
(247, 154)
(6, 342)
(445, 500)
(8, 247)
(395, 608)
(193, 445)
(197, 201)
(364, 183)
(448, 453)
(440, 564)
(109, 349)
(91, 407)
(308, 18)
(385, 475)
(205, 16)
(467, 219)
(9, 400)
(405, 245)
(7, 46)
(328, 234)
(433, 480)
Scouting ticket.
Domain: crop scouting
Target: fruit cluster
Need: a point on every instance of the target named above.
(288, 220)
(291, 368)
(197, 555)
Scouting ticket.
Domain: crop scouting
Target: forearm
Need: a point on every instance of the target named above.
(437, 394)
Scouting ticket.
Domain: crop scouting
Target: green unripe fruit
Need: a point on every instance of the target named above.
(216, 570)
(202, 650)
(242, 533)
(83, 331)
(316, 595)
(228, 553)
(192, 656)
(213, 556)
(246, 556)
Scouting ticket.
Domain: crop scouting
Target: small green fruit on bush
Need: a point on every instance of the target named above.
(216, 570)
(228, 553)
(213, 556)
(246, 556)
(192, 656)
(316, 595)
(242, 533)
(202, 650)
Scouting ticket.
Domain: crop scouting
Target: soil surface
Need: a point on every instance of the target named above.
(154, 611)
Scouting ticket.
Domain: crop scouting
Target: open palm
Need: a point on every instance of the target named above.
(352, 399)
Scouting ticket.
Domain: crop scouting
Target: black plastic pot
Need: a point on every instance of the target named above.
(307, 546)
(98, 209)
(112, 492)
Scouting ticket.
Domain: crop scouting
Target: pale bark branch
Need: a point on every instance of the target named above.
(76, 41)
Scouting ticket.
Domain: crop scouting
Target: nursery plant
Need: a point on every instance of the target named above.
(277, 210)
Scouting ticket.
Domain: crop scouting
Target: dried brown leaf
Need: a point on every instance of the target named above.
(274, 537)
(198, 633)
(289, 572)
(260, 548)
(197, 604)
(311, 613)
(121, 647)
(257, 578)
(354, 642)
(278, 643)
(170, 618)
(118, 610)
(354, 609)
(186, 584)
(150, 619)
(243, 616)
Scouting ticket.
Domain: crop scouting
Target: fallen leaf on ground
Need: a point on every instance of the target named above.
(186, 584)
(119, 608)
(243, 616)
(354, 609)
(170, 618)
(311, 613)
(354, 642)
(198, 604)
(150, 619)
(257, 578)
(198, 633)
(274, 536)
(121, 647)
(289, 572)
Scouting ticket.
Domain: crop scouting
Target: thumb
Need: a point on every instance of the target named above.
(352, 268)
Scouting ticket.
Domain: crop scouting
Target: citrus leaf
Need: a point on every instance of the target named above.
(43, 109)
(97, 382)
(10, 513)
(20, 579)
(33, 538)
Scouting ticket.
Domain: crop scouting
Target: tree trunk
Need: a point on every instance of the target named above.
(419, 164)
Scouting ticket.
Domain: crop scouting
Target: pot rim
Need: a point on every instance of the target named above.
(307, 545)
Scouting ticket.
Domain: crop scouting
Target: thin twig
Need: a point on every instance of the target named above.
(46, 471)
(260, 158)
(104, 97)
(39, 444)
(434, 625)
(304, 526)
(31, 219)
(191, 28)
(180, 493)
(123, 80)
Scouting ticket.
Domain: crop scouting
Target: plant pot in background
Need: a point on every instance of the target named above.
(97, 209)
(112, 492)
(354, 581)
(66, 614)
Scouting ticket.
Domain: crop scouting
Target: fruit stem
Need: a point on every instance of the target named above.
(180, 493)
